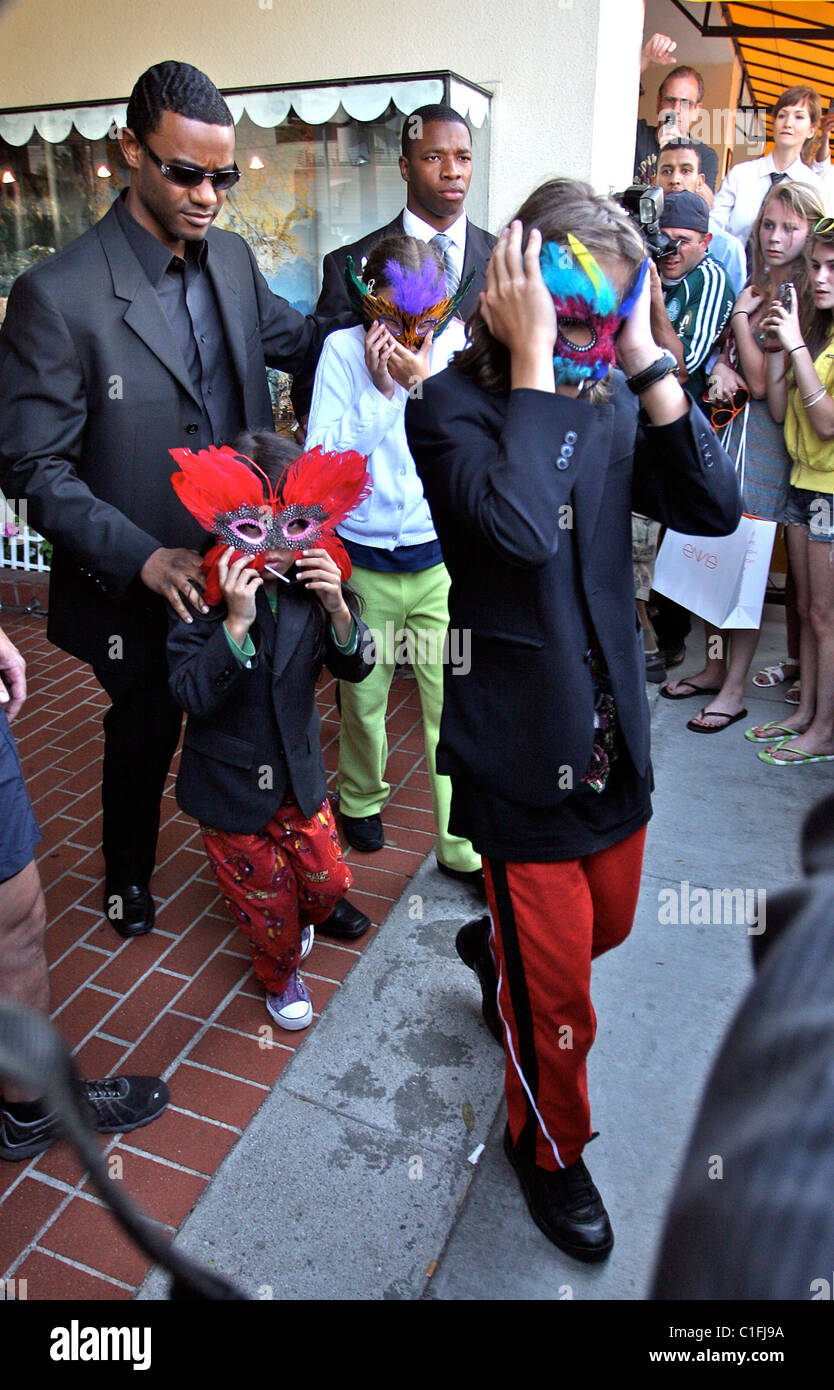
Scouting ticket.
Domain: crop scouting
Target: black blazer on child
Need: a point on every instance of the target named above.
(253, 731)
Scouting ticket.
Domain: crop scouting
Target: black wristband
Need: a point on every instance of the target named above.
(653, 373)
(797, 349)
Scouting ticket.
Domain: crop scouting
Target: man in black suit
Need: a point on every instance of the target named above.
(149, 331)
(436, 164)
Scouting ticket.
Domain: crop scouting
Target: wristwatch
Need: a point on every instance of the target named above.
(656, 371)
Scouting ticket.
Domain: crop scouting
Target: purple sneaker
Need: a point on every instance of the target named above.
(292, 1009)
(308, 936)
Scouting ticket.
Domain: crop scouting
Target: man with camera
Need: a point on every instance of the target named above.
(691, 302)
(697, 296)
(679, 98)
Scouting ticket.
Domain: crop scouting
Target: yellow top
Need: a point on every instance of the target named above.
(813, 458)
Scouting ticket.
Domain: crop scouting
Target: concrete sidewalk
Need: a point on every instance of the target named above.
(361, 1177)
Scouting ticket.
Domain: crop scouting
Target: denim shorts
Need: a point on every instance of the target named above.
(19, 832)
(812, 509)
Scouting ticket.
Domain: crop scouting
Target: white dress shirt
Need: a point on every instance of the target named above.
(423, 231)
(740, 195)
(348, 412)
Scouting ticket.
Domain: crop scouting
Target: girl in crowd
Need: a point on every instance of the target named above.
(796, 117)
(787, 215)
(533, 457)
(363, 381)
(800, 386)
(252, 770)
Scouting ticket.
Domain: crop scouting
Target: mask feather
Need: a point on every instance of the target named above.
(415, 290)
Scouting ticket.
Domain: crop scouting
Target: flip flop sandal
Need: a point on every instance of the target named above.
(769, 733)
(690, 693)
(773, 675)
(800, 757)
(793, 696)
(715, 728)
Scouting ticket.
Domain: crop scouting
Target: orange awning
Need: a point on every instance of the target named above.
(779, 43)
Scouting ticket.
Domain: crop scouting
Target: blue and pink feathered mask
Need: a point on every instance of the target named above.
(587, 301)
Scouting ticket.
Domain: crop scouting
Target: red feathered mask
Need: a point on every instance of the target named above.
(314, 494)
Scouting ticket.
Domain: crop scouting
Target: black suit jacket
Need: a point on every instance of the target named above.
(94, 391)
(252, 730)
(334, 297)
(531, 497)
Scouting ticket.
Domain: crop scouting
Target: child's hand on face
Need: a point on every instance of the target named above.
(318, 571)
(516, 306)
(238, 584)
(379, 346)
(408, 368)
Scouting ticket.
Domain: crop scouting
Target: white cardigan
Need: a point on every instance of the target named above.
(348, 412)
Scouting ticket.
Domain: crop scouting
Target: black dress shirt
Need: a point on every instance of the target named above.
(187, 296)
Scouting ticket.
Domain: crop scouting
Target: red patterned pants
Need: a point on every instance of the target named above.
(289, 875)
(549, 921)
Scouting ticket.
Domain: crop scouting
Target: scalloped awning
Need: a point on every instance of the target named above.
(363, 101)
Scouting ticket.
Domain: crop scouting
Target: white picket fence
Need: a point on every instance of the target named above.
(21, 548)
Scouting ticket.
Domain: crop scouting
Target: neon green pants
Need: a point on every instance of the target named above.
(408, 611)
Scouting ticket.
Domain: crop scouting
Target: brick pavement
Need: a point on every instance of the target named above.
(180, 1003)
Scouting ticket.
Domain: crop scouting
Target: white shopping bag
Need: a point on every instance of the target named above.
(721, 578)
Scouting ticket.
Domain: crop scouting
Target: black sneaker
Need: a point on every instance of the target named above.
(472, 945)
(25, 1138)
(565, 1205)
(364, 832)
(117, 1104)
(121, 1103)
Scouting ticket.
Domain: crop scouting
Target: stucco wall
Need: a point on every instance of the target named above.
(551, 66)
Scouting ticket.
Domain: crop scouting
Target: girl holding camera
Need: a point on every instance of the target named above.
(800, 386)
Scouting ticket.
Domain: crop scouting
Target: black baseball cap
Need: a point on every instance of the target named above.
(685, 210)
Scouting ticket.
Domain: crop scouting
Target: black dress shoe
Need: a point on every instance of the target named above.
(473, 878)
(472, 945)
(345, 920)
(130, 909)
(565, 1205)
(364, 832)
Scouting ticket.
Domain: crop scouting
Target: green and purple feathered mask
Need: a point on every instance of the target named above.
(411, 304)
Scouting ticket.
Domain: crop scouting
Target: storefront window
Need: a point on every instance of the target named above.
(320, 168)
(316, 175)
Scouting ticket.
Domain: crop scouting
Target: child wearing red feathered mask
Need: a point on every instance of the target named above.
(252, 770)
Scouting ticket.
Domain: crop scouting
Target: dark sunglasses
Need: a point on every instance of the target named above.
(721, 414)
(185, 176)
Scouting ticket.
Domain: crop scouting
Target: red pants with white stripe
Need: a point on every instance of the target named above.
(289, 875)
(549, 921)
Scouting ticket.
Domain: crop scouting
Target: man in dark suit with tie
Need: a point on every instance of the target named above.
(436, 164)
(149, 331)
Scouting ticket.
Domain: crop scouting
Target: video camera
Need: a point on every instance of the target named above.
(644, 204)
